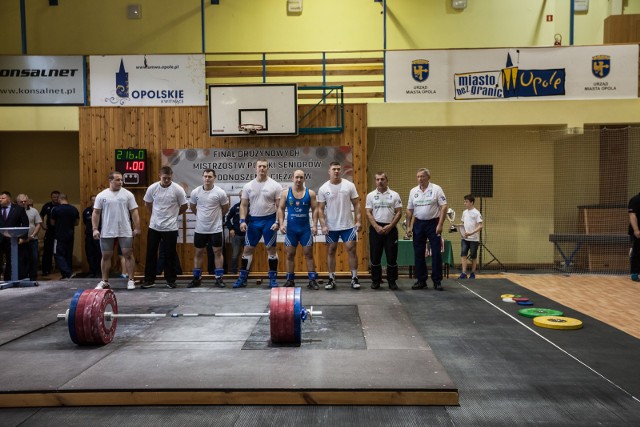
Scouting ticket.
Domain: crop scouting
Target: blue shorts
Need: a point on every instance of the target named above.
(261, 227)
(298, 235)
(469, 247)
(348, 235)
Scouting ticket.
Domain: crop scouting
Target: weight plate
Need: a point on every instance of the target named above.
(536, 312)
(525, 302)
(79, 319)
(507, 300)
(519, 299)
(274, 319)
(71, 319)
(289, 316)
(102, 331)
(87, 318)
(297, 320)
(510, 296)
(557, 322)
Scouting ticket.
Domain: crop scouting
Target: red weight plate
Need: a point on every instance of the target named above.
(103, 331)
(281, 313)
(521, 299)
(273, 316)
(289, 318)
(87, 316)
(79, 319)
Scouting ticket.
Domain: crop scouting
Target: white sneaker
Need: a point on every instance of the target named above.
(131, 285)
(103, 285)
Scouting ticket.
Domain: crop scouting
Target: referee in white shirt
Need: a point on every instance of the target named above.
(426, 210)
(384, 210)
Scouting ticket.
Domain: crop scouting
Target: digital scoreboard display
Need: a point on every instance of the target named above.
(132, 163)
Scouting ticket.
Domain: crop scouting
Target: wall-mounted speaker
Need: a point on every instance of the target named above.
(482, 180)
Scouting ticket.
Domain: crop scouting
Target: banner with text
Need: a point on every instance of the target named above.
(235, 167)
(147, 80)
(41, 80)
(576, 72)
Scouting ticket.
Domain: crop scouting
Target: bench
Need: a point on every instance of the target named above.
(601, 241)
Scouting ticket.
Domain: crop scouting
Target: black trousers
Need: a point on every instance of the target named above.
(169, 240)
(93, 253)
(635, 255)
(389, 244)
(47, 251)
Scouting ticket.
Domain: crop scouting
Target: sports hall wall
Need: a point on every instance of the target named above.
(49, 137)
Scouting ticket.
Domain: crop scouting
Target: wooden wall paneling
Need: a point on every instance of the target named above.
(102, 130)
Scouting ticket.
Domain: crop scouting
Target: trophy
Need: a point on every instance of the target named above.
(451, 216)
(404, 227)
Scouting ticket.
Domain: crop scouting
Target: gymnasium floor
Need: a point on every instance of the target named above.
(506, 371)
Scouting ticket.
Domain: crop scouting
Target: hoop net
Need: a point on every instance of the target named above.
(250, 129)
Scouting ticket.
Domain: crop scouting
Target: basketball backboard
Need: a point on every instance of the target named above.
(274, 107)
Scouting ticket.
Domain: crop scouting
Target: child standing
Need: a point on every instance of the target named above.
(472, 221)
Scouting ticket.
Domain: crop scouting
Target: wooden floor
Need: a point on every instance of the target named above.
(610, 299)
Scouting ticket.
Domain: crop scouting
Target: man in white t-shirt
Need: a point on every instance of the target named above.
(426, 211)
(336, 200)
(384, 210)
(210, 204)
(165, 201)
(260, 200)
(115, 208)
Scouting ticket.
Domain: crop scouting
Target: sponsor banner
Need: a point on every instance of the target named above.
(577, 72)
(147, 80)
(235, 167)
(41, 80)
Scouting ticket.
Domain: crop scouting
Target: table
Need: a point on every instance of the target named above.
(13, 233)
(406, 258)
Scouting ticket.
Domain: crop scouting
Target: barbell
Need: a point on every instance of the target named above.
(93, 316)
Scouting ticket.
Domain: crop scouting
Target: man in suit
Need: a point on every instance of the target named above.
(11, 215)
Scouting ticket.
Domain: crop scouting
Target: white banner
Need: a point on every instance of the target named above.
(577, 72)
(147, 80)
(235, 167)
(41, 80)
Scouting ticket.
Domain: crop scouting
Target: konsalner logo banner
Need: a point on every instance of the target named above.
(42, 80)
(147, 80)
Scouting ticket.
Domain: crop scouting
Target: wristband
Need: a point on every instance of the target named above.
(242, 221)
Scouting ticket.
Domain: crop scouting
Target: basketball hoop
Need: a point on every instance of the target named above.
(250, 129)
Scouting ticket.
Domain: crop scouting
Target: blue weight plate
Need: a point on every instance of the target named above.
(297, 307)
(71, 318)
(525, 302)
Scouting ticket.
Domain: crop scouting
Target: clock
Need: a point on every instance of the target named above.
(132, 164)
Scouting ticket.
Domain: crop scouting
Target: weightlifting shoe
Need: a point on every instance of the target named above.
(375, 285)
(331, 284)
(355, 283)
(437, 286)
(289, 284)
(195, 283)
(392, 285)
(103, 285)
(171, 285)
(472, 276)
(219, 283)
(273, 283)
(240, 283)
(313, 285)
(419, 285)
(131, 285)
(463, 276)
(635, 278)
